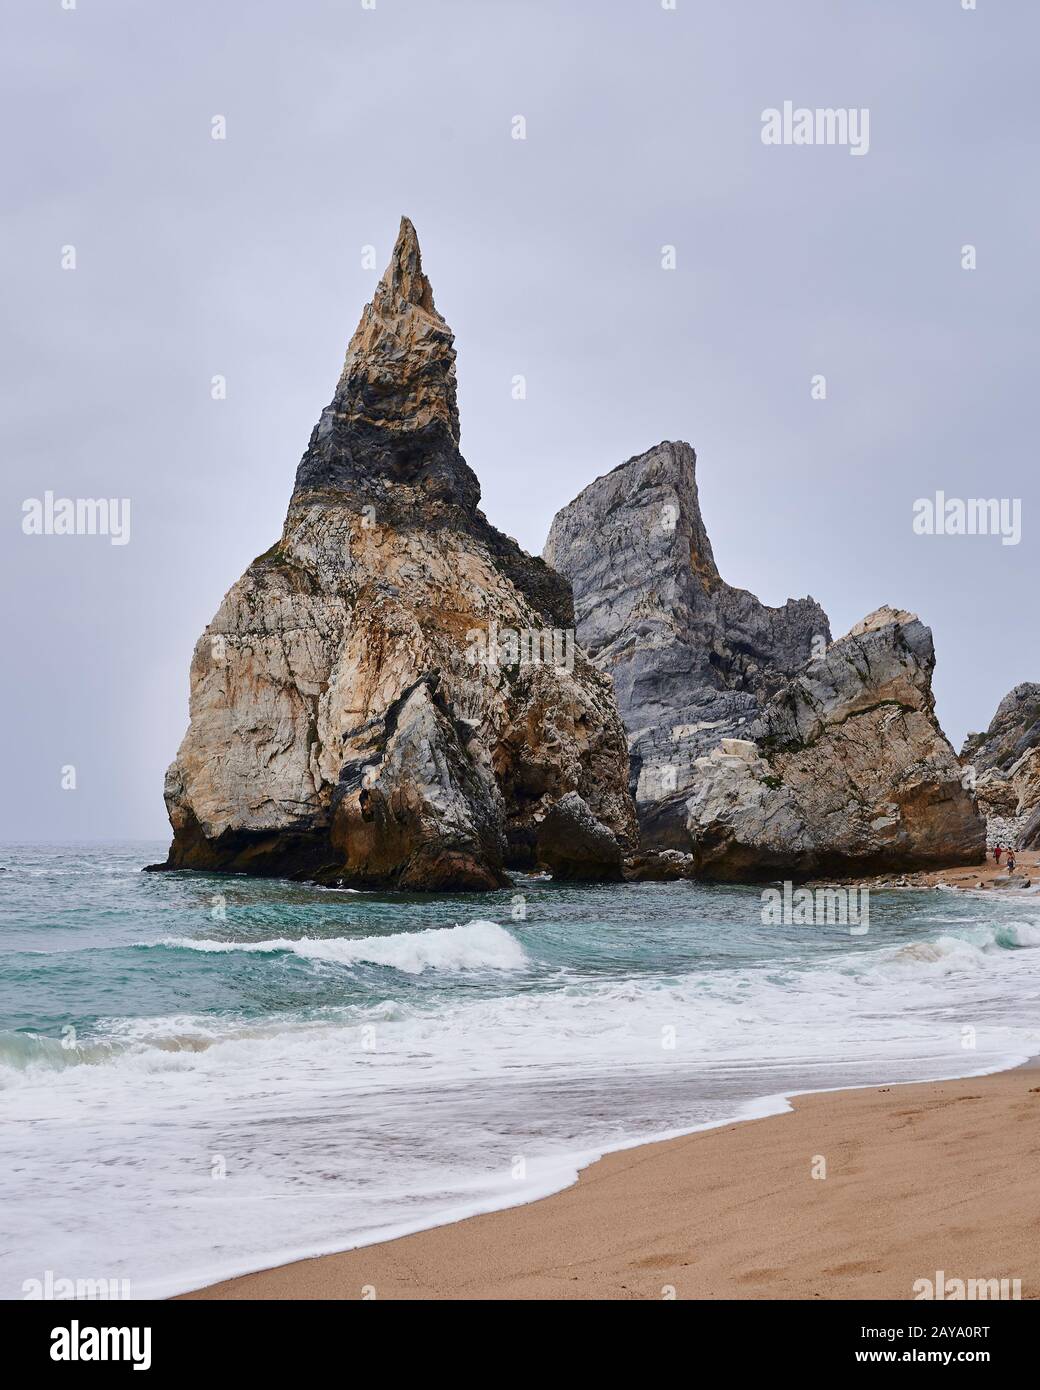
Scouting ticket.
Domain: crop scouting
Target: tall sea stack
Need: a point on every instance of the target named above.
(391, 694)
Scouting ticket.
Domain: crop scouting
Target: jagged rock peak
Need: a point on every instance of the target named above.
(692, 658)
(403, 277)
(659, 486)
(1006, 760)
(845, 771)
(882, 617)
(354, 717)
(399, 370)
(1013, 730)
(393, 421)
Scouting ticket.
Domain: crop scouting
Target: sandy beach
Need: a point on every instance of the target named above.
(911, 1180)
(989, 876)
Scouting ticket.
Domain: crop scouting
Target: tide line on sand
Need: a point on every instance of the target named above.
(847, 1194)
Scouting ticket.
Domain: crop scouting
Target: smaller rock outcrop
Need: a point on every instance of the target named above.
(692, 658)
(573, 844)
(845, 771)
(1006, 763)
(659, 866)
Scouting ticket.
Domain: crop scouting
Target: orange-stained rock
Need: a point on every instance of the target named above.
(354, 718)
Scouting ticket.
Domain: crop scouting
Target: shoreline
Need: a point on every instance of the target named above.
(770, 1107)
(608, 1221)
(972, 878)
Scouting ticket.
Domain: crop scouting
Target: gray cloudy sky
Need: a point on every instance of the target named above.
(242, 258)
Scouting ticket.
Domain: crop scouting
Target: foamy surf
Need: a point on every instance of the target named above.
(315, 1071)
(475, 946)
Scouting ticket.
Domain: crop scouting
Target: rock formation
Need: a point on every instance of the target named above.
(756, 744)
(692, 659)
(391, 695)
(1006, 760)
(845, 771)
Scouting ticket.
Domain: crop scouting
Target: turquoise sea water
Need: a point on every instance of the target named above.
(202, 1075)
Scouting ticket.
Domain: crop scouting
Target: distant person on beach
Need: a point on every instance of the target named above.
(996, 853)
(1011, 861)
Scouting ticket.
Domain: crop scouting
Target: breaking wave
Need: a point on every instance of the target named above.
(475, 946)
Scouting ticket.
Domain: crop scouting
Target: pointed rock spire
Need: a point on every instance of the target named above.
(403, 277)
(399, 373)
(390, 434)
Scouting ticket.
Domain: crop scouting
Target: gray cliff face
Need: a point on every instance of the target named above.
(1006, 759)
(757, 746)
(1013, 731)
(693, 660)
(846, 770)
(352, 718)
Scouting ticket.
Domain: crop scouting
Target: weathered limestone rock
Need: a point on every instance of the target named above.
(1006, 759)
(659, 866)
(575, 845)
(846, 770)
(756, 743)
(1029, 831)
(1013, 731)
(373, 703)
(692, 659)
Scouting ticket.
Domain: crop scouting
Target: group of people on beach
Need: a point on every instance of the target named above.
(998, 850)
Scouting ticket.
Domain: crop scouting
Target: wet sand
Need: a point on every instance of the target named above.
(918, 1178)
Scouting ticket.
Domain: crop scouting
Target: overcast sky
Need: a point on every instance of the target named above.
(243, 257)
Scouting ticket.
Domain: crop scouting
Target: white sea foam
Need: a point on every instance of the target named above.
(475, 946)
(184, 1147)
(1018, 934)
